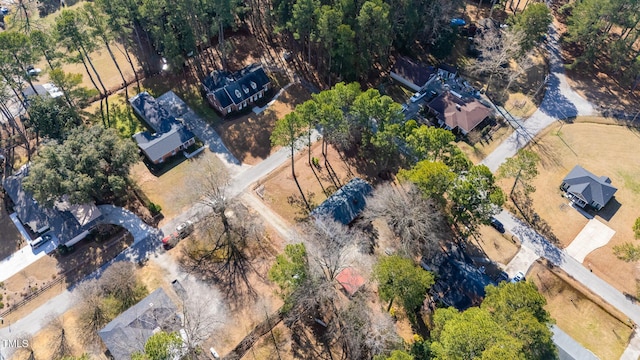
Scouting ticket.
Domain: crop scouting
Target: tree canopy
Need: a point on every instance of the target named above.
(511, 323)
(160, 346)
(400, 279)
(91, 164)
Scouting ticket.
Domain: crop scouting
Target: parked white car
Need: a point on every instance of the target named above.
(417, 96)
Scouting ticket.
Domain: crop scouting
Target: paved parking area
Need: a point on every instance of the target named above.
(594, 235)
(521, 262)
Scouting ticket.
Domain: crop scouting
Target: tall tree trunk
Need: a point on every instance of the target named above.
(295, 178)
(106, 93)
(115, 62)
(26, 75)
(95, 85)
(130, 61)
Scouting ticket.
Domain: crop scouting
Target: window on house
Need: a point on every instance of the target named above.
(254, 86)
(245, 89)
(238, 93)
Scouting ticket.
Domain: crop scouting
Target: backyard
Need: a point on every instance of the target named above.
(605, 150)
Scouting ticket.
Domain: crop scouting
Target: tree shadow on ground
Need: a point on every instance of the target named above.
(90, 254)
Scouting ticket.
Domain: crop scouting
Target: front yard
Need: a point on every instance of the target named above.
(598, 327)
(248, 137)
(608, 150)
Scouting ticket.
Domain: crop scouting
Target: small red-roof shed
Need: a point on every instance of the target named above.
(350, 280)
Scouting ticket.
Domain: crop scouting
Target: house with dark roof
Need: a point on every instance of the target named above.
(68, 222)
(414, 75)
(228, 92)
(128, 333)
(346, 203)
(584, 188)
(456, 113)
(169, 135)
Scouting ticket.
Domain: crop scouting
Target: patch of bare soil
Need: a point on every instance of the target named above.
(282, 194)
(249, 137)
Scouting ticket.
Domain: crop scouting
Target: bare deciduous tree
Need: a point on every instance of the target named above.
(201, 318)
(332, 247)
(93, 316)
(364, 333)
(416, 221)
(497, 49)
(120, 281)
(59, 343)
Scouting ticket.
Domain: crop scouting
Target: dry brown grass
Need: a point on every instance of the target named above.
(596, 325)
(604, 150)
(171, 190)
(481, 149)
(497, 247)
(248, 137)
(520, 105)
(280, 185)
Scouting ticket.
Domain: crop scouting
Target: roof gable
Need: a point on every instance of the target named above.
(454, 111)
(235, 87)
(64, 224)
(412, 71)
(129, 331)
(346, 203)
(589, 187)
(161, 114)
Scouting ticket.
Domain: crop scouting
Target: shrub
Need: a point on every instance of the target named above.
(154, 208)
(636, 228)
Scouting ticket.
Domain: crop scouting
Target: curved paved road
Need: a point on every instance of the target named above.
(560, 102)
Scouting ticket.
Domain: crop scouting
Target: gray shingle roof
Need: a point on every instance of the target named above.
(235, 87)
(37, 217)
(412, 71)
(129, 332)
(346, 203)
(160, 114)
(589, 187)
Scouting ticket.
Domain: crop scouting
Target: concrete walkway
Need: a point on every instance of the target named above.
(560, 102)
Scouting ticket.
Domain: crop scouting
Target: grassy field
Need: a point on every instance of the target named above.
(608, 150)
(599, 328)
(171, 190)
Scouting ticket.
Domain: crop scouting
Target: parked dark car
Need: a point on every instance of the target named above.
(497, 225)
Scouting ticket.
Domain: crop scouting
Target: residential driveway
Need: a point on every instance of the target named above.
(19, 260)
(542, 247)
(560, 102)
(128, 220)
(594, 235)
(521, 262)
(632, 352)
(201, 129)
(568, 348)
